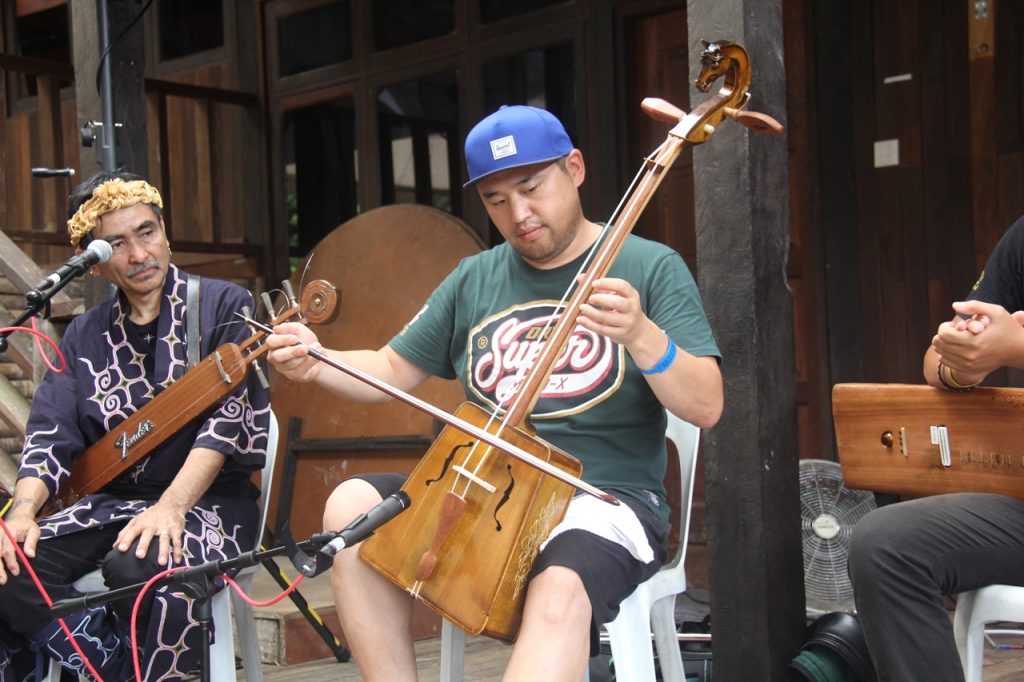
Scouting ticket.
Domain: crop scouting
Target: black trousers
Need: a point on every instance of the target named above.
(25, 619)
(905, 557)
(59, 562)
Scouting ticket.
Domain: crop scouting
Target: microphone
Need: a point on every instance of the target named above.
(98, 251)
(52, 172)
(364, 524)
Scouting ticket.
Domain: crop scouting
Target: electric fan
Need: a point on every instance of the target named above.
(828, 511)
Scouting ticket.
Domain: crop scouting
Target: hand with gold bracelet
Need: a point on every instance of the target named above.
(980, 339)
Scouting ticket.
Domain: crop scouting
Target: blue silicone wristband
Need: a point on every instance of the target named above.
(666, 359)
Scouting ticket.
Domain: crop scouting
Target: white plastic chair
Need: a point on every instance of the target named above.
(222, 651)
(653, 603)
(973, 611)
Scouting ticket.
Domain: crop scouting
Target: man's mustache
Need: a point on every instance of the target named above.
(136, 269)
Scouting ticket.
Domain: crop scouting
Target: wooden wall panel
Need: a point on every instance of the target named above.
(213, 162)
(869, 245)
(188, 181)
(946, 166)
(1008, 113)
(656, 49)
(805, 268)
(903, 241)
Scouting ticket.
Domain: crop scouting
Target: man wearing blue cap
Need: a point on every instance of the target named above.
(644, 345)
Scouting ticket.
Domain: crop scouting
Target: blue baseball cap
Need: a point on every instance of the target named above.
(514, 136)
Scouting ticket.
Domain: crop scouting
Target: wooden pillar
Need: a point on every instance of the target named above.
(751, 459)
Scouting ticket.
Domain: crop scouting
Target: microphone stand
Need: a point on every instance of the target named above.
(36, 301)
(197, 582)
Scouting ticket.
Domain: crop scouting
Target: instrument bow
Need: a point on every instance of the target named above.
(478, 516)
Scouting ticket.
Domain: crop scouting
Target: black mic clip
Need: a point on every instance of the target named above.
(360, 528)
(303, 563)
(39, 301)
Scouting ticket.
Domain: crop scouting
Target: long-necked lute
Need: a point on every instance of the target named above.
(478, 515)
(198, 390)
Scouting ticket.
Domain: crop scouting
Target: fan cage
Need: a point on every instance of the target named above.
(829, 511)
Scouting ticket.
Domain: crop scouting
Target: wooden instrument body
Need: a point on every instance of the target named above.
(196, 391)
(480, 577)
(488, 567)
(884, 438)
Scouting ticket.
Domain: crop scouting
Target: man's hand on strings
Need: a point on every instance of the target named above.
(289, 356)
(163, 523)
(613, 310)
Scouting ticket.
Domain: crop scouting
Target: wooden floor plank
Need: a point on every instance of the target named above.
(486, 660)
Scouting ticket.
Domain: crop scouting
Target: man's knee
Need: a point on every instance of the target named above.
(557, 596)
(877, 538)
(350, 499)
(22, 609)
(121, 569)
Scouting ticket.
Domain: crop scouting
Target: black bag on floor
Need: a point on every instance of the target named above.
(835, 651)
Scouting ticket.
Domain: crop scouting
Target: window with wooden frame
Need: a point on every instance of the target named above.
(36, 30)
(415, 74)
(189, 27)
(189, 33)
(319, 152)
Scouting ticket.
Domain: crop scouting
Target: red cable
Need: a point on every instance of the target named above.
(40, 335)
(135, 607)
(238, 588)
(49, 602)
(37, 335)
(162, 574)
(135, 613)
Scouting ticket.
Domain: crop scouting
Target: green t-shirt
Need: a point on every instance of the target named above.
(481, 325)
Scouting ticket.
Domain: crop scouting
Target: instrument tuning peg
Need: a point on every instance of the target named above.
(759, 123)
(289, 291)
(261, 375)
(268, 304)
(246, 312)
(661, 110)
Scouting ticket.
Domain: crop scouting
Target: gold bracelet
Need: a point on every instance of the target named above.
(950, 382)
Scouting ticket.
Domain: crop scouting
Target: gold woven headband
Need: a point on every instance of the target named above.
(110, 196)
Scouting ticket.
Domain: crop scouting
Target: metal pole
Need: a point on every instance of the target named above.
(108, 153)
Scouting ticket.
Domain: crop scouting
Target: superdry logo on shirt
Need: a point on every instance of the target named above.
(503, 348)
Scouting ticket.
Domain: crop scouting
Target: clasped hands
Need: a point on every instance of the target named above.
(983, 339)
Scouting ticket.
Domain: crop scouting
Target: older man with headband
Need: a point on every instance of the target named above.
(189, 501)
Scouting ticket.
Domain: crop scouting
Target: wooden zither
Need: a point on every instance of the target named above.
(916, 440)
(197, 391)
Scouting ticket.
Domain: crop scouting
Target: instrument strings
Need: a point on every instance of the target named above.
(551, 321)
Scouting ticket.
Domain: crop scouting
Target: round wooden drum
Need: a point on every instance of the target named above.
(384, 264)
